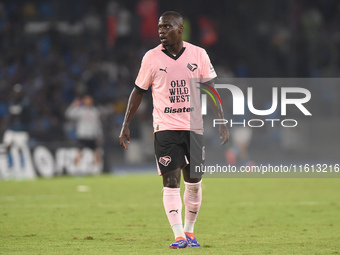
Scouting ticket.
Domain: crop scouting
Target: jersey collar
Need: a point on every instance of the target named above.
(172, 56)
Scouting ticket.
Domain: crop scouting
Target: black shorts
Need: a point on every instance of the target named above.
(176, 149)
(87, 143)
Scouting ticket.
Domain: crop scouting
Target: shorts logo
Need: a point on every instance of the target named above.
(165, 161)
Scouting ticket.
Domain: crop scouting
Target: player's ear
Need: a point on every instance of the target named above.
(181, 29)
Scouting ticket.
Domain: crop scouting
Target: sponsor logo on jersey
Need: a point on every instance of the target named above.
(165, 161)
(192, 67)
(178, 110)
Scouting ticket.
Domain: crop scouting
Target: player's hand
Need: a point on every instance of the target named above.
(124, 133)
(224, 134)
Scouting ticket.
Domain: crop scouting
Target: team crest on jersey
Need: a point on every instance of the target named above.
(165, 161)
(192, 67)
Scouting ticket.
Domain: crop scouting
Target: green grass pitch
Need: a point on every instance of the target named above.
(110, 214)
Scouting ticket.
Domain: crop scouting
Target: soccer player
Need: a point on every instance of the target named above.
(177, 122)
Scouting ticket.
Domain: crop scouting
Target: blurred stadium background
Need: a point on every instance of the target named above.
(59, 50)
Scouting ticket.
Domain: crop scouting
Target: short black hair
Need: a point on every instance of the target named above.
(177, 16)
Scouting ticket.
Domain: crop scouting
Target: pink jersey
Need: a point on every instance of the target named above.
(176, 103)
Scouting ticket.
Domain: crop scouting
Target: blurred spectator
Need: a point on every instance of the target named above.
(148, 12)
(238, 153)
(16, 137)
(208, 32)
(18, 118)
(112, 23)
(89, 131)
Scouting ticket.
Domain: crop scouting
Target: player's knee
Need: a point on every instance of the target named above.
(171, 181)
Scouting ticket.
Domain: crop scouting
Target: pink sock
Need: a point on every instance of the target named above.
(173, 205)
(192, 200)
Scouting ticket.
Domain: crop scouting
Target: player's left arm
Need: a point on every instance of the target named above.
(208, 71)
(218, 111)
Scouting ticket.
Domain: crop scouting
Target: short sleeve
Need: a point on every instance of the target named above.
(144, 77)
(208, 72)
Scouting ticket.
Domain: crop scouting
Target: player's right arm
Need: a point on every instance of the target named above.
(143, 81)
(72, 112)
(135, 99)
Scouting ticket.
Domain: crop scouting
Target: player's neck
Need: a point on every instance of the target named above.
(175, 48)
